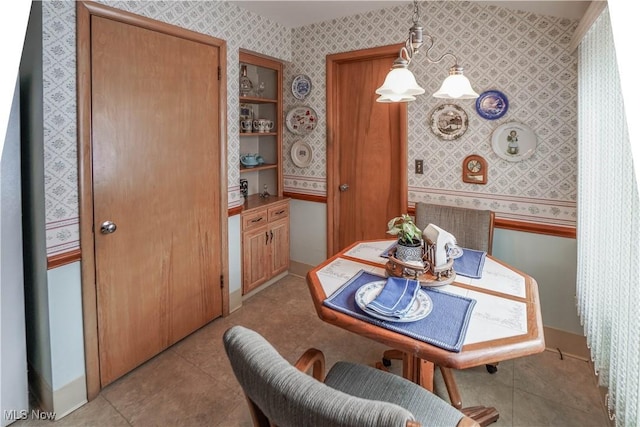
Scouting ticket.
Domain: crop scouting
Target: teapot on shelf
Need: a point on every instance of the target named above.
(251, 160)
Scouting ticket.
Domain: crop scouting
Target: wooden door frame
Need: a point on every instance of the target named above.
(85, 10)
(333, 166)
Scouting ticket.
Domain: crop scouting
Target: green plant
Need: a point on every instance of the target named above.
(406, 230)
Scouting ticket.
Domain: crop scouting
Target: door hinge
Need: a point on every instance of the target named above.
(219, 72)
(221, 281)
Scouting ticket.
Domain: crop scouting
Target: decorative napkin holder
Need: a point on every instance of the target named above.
(437, 269)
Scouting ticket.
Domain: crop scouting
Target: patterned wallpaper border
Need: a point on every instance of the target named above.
(305, 185)
(516, 208)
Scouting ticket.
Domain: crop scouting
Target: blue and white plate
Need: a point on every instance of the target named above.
(301, 86)
(492, 104)
(420, 309)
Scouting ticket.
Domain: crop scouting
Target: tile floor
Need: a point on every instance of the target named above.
(191, 383)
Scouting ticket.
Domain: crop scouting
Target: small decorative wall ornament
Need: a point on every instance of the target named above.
(449, 121)
(514, 141)
(474, 169)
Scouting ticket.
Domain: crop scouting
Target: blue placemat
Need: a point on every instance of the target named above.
(470, 264)
(445, 327)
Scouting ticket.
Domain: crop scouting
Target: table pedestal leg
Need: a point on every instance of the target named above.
(420, 372)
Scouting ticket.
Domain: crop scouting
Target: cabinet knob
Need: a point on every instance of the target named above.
(343, 187)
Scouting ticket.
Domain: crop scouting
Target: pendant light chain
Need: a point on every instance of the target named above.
(416, 12)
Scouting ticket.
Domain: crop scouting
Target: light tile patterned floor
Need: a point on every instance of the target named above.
(191, 383)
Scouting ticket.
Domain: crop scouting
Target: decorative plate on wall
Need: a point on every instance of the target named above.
(449, 121)
(301, 154)
(492, 104)
(514, 141)
(301, 86)
(301, 120)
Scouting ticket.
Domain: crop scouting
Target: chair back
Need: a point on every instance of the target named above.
(279, 394)
(472, 228)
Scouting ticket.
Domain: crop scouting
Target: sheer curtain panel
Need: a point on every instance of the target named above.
(608, 283)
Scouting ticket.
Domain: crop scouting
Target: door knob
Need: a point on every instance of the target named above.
(343, 187)
(108, 227)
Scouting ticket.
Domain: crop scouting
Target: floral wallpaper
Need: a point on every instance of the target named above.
(524, 55)
(521, 54)
(239, 28)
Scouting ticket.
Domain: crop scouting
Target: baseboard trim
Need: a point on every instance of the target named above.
(40, 390)
(61, 402)
(299, 269)
(70, 397)
(265, 285)
(567, 343)
(235, 300)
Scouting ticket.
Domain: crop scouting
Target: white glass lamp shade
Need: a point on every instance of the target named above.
(395, 98)
(399, 84)
(456, 86)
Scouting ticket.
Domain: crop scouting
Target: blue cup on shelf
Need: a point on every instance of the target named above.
(250, 160)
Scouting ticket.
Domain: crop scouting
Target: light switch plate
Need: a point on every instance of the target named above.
(419, 167)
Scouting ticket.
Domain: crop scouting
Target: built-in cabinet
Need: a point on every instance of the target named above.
(265, 213)
(265, 240)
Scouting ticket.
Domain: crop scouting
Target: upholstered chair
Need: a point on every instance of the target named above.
(472, 228)
(281, 394)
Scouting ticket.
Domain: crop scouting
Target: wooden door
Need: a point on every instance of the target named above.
(255, 269)
(279, 246)
(155, 147)
(367, 149)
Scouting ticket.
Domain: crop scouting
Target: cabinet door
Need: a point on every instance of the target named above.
(279, 246)
(255, 252)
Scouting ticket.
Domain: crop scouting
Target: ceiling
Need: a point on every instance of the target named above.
(294, 13)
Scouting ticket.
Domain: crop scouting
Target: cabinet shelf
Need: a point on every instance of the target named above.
(262, 167)
(258, 134)
(256, 100)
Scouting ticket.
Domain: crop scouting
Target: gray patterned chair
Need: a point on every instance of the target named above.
(351, 395)
(472, 228)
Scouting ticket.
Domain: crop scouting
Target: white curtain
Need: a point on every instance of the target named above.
(608, 235)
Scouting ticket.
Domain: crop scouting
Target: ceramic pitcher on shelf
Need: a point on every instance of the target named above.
(246, 125)
(262, 125)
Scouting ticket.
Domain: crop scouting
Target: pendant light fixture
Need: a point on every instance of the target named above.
(400, 84)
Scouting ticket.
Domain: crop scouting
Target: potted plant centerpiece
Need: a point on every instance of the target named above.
(409, 247)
